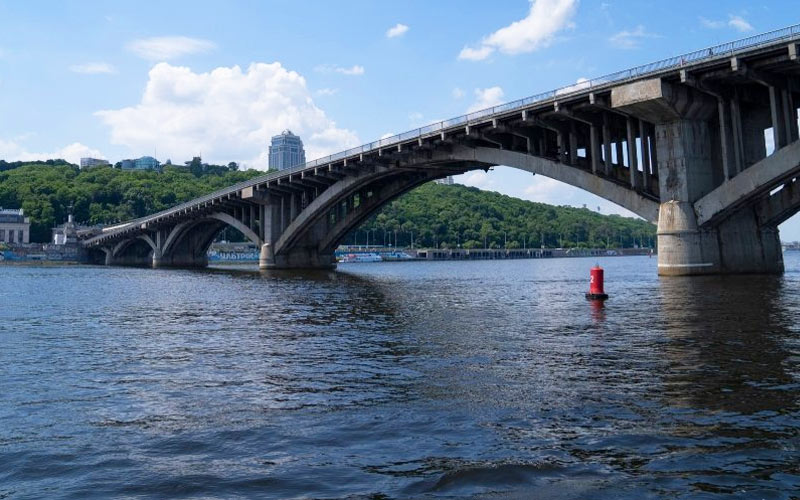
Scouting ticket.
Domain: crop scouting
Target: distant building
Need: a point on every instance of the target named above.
(66, 234)
(92, 162)
(14, 226)
(286, 151)
(143, 163)
(147, 163)
(447, 181)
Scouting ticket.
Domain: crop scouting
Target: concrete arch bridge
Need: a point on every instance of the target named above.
(682, 142)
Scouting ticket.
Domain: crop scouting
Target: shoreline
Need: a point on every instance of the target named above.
(226, 263)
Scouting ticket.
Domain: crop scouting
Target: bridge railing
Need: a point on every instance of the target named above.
(690, 58)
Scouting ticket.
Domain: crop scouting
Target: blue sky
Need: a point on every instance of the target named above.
(180, 78)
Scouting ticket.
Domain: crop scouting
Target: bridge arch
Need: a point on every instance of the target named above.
(382, 195)
(615, 192)
(132, 251)
(187, 243)
(316, 231)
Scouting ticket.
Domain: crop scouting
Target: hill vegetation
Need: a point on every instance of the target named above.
(432, 215)
(103, 195)
(450, 216)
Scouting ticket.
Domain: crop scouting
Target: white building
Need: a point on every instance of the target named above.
(14, 226)
(66, 233)
(447, 181)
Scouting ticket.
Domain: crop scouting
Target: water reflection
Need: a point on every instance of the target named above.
(728, 343)
(598, 311)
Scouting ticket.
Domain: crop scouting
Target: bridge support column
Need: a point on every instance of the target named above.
(688, 168)
(736, 245)
(272, 221)
(158, 249)
(156, 258)
(266, 258)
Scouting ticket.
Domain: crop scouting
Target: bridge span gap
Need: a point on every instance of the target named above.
(679, 142)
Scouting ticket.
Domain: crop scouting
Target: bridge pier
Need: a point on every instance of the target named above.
(156, 258)
(266, 258)
(690, 166)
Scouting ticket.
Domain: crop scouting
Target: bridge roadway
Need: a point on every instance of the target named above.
(680, 142)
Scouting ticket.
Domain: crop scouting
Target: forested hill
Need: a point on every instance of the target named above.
(448, 216)
(432, 214)
(103, 195)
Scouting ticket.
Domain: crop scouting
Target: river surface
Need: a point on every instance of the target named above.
(483, 379)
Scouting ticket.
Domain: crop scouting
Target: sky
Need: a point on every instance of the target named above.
(177, 79)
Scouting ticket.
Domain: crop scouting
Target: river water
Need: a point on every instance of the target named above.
(483, 379)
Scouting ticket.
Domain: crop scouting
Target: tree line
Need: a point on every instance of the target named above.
(432, 215)
(47, 191)
(456, 216)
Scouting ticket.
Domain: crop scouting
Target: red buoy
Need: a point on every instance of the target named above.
(596, 284)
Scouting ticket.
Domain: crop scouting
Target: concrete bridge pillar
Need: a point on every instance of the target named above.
(156, 258)
(158, 248)
(272, 222)
(266, 258)
(690, 166)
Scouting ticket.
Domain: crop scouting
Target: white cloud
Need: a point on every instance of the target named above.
(164, 48)
(355, 70)
(479, 179)
(486, 98)
(546, 190)
(13, 151)
(458, 93)
(478, 54)
(396, 30)
(415, 116)
(93, 68)
(712, 23)
(545, 19)
(736, 22)
(326, 92)
(387, 135)
(630, 39)
(226, 114)
(739, 23)
(580, 84)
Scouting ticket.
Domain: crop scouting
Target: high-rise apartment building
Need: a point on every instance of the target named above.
(286, 151)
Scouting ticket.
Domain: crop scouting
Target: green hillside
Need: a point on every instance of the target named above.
(448, 216)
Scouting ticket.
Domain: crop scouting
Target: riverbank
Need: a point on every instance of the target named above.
(244, 253)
